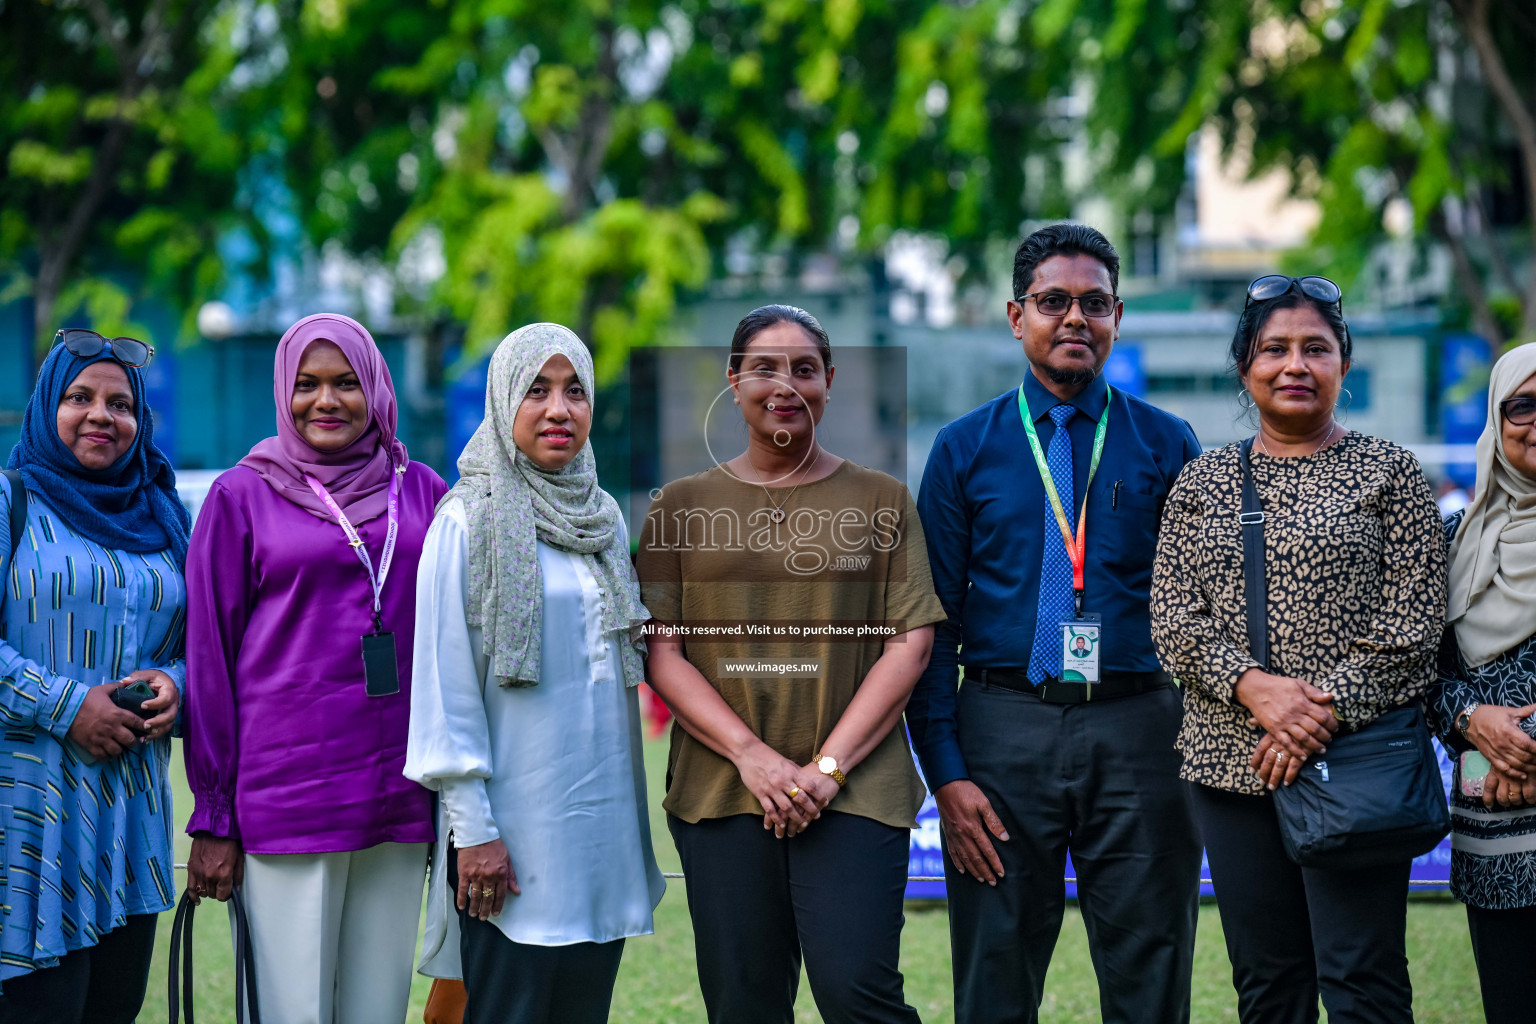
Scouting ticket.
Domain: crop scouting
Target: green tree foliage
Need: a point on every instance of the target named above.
(590, 161)
(119, 173)
(1425, 109)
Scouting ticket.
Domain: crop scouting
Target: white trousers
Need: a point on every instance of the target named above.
(334, 933)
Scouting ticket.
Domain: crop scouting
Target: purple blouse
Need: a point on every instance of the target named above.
(284, 749)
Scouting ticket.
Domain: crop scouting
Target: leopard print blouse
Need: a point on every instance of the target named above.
(1355, 563)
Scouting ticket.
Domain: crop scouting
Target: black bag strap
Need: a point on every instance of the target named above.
(18, 517)
(181, 962)
(1256, 590)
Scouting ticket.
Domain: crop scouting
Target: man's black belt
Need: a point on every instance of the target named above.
(1054, 691)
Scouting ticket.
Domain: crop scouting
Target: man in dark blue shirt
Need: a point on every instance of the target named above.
(1032, 758)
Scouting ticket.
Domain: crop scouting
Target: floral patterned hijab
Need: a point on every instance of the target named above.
(511, 504)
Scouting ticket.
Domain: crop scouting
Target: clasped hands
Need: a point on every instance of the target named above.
(1297, 718)
(792, 795)
(105, 730)
(1495, 731)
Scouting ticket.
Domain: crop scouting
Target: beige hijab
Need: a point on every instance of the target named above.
(510, 504)
(1493, 557)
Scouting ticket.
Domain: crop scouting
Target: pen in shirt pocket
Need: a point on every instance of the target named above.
(1114, 496)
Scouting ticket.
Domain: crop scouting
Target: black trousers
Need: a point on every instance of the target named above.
(1101, 780)
(1504, 945)
(834, 892)
(515, 983)
(101, 984)
(1294, 933)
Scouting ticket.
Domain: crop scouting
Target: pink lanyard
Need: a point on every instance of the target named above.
(376, 579)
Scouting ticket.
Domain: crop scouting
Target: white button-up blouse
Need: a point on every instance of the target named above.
(554, 770)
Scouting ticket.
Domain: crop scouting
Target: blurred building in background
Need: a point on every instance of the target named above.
(928, 349)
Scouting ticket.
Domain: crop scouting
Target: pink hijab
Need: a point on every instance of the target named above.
(358, 475)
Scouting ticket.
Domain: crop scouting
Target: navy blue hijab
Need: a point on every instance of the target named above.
(130, 505)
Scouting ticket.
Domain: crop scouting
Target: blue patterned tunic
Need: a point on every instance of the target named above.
(85, 842)
(1493, 852)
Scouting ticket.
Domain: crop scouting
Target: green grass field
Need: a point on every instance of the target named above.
(657, 983)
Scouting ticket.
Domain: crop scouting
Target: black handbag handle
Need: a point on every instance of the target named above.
(245, 962)
(1255, 588)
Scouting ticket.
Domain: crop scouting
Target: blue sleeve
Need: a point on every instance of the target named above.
(1449, 692)
(1190, 443)
(947, 527)
(30, 695)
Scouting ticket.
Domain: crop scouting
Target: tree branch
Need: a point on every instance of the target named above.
(154, 37)
(1474, 196)
(1473, 15)
(1467, 277)
(58, 254)
(595, 129)
(1501, 265)
(103, 18)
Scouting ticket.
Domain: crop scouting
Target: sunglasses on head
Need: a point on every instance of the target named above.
(1520, 410)
(1276, 285)
(88, 345)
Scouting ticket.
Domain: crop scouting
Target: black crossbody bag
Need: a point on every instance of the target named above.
(1375, 798)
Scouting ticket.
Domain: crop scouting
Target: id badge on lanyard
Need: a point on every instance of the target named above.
(381, 666)
(1080, 649)
(1081, 635)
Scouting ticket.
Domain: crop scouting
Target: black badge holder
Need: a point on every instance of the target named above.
(381, 667)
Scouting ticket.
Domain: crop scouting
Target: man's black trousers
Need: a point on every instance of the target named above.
(1099, 779)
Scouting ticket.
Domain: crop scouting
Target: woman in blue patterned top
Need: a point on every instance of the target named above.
(93, 598)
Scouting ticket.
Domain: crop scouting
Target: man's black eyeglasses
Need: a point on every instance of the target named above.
(1275, 285)
(1057, 303)
(1520, 410)
(88, 344)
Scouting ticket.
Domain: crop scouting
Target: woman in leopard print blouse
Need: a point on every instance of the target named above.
(1356, 571)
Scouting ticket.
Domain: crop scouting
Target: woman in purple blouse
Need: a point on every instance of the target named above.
(302, 598)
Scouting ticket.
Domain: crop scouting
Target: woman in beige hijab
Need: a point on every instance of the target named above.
(1482, 702)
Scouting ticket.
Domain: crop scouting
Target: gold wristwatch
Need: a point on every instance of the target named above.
(828, 766)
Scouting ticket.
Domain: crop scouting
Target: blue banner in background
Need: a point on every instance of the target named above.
(160, 396)
(1431, 872)
(465, 403)
(1464, 363)
(1124, 370)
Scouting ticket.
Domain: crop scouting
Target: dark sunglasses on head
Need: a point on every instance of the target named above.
(1520, 410)
(1276, 285)
(1057, 303)
(88, 345)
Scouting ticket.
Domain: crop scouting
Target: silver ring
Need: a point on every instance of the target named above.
(1280, 755)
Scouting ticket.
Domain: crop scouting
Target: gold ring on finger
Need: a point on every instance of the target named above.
(794, 792)
(487, 892)
(1280, 755)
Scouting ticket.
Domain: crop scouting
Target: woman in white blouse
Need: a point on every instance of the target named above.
(524, 713)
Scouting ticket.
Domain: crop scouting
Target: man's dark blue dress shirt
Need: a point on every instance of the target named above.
(983, 511)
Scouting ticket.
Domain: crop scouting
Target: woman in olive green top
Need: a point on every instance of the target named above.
(796, 588)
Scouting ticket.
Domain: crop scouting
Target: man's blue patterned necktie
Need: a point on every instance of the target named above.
(1055, 567)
